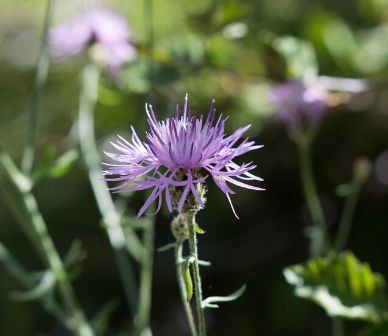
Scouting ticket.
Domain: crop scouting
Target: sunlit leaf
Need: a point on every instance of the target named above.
(342, 285)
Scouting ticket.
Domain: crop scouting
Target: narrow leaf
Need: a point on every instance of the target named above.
(210, 301)
(63, 164)
(189, 283)
(45, 285)
(101, 321)
(166, 247)
(198, 229)
(74, 255)
(204, 263)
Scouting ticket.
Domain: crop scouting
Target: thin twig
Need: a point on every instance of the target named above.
(105, 204)
(41, 73)
(182, 287)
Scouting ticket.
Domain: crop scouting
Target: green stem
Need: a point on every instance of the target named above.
(318, 235)
(182, 287)
(145, 290)
(347, 216)
(41, 73)
(337, 327)
(197, 277)
(91, 157)
(27, 212)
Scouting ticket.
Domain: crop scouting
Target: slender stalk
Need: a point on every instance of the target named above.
(145, 290)
(41, 73)
(111, 218)
(337, 326)
(182, 287)
(347, 216)
(197, 277)
(32, 222)
(318, 236)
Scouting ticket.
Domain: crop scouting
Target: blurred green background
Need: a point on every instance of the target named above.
(232, 51)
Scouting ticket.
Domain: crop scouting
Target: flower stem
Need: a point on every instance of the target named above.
(111, 218)
(197, 277)
(23, 204)
(337, 327)
(182, 287)
(347, 216)
(145, 290)
(318, 235)
(41, 73)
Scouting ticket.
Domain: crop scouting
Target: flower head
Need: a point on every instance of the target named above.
(298, 106)
(105, 30)
(178, 155)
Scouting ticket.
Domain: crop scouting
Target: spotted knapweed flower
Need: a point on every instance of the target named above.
(178, 155)
(103, 30)
(299, 106)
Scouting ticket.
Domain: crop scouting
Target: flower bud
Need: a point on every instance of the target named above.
(179, 228)
(191, 204)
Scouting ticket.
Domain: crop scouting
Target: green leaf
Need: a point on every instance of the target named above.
(342, 285)
(198, 229)
(101, 321)
(210, 301)
(188, 281)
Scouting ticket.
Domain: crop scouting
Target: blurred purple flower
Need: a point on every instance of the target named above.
(297, 105)
(106, 30)
(179, 154)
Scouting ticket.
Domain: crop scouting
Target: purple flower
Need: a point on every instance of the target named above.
(298, 106)
(178, 155)
(106, 30)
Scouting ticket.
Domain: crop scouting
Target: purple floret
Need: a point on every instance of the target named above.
(96, 26)
(298, 105)
(181, 152)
